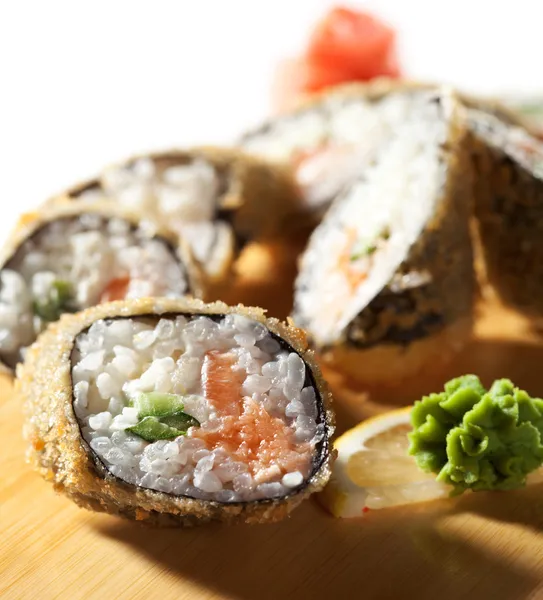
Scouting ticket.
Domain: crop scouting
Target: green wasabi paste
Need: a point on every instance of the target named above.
(477, 439)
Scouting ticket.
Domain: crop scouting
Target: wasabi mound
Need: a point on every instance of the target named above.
(477, 439)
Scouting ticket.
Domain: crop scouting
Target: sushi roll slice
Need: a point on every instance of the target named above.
(386, 284)
(177, 412)
(508, 164)
(216, 199)
(328, 140)
(72, 257)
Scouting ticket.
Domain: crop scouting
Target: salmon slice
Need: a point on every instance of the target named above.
(244, 429)
(221, 384)
(116, 289)
(303, 156)
(323, 171)
(260, 441)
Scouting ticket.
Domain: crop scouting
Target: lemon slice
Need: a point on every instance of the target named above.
(373, 469)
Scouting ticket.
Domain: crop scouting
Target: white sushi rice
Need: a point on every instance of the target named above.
(397, 195)
(330, 143)
(87, 252)
(182, 197)
(117, 360)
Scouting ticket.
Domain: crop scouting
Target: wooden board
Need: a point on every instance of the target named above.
(481, 546)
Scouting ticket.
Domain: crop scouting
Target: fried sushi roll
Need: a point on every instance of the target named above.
(68, 258)
(177, 412)
(216, 199)
(386, 284)
(508, 164)
(327, 140)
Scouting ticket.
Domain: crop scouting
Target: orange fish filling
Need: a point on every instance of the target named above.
(221, 383)
(327, 157)
(303, 156)
(245, 430)
(345, 263)
(116, 289)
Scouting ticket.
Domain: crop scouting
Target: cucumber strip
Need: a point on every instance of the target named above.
(158, 404)
(180, 421)
(151, 430)
(58, 301)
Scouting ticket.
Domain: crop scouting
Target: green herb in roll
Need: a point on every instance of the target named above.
(162, 417)
(157, 404)
(152, 429)
(59, 300)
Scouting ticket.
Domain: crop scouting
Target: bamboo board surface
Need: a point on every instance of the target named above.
(480, 546)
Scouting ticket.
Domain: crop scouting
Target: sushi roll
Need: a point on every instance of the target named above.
(508, 163)
(177, 412)
(328, 140)
(216, 199)
(386, 284)
(68, 258)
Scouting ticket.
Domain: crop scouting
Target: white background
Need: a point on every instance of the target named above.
(83, 83)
